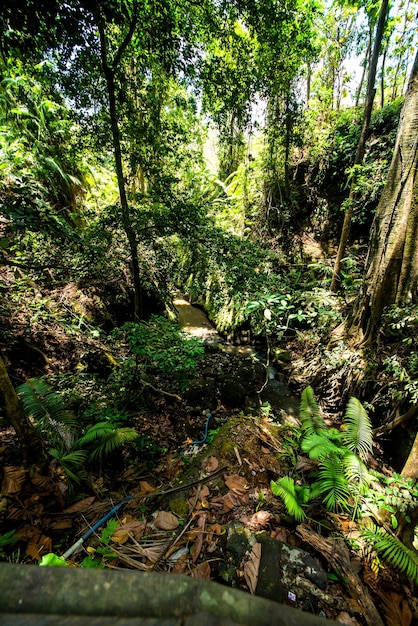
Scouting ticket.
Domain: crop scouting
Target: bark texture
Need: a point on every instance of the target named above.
(30, 441)
(392, 266)
(361, 147)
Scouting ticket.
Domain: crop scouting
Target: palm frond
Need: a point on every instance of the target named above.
(318, 446)
(94, 432)
(356, 472)
(393, 550)
(357, 433)
(72, 463)
(311, 419)
(111, 441)
(332, 483)
(285, 488)
(44, 405)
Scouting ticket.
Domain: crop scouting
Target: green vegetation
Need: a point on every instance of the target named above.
(222, 150)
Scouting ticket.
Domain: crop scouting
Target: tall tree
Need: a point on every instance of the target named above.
(361, 147)
(391, 275)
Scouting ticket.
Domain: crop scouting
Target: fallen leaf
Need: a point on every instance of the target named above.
(259, 520)
(210, 464)
(202, 571)
(201, 522)
(61, 524)
(14, 478)
(204, 492)
(37, 549)
(165, 520)
(133, 527)
(236, 483)
(145, 488)
(81, 505)
(216, 528)
(251, 568)
(396, 608)
(43, 482)
(120, 536)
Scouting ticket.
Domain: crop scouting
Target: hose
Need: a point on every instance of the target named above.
(205, 436)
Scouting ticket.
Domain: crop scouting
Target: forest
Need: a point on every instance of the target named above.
(209, 306)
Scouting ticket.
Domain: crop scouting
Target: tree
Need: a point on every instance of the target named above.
(391, 275)
(361, 147)
(33, 450)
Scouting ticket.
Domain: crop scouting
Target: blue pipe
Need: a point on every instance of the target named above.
(93, 529)
(205, 436)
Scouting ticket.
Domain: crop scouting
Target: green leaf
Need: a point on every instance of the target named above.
(285, 488)
(357, 433)
(311, 419)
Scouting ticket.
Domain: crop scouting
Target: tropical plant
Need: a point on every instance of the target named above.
(161, 347)
(341, 474)
(51, 416)
(393, 550)
(312, 421)
(7, 539)
(58, 423)
(294, 496)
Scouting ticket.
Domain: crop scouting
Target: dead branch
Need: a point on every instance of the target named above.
(336, 553)
(411, 413)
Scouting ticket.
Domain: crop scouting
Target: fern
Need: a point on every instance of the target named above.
(106, 439)
(357, 433)
(72, 463)
(94, 432)
(48, 411)
(393, 550)
(311, 419)
(318, 446)
(332, 483)
(292, 495)
(356, 472)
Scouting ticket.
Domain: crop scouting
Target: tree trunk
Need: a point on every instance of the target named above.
(361, 147)
(391, 275)
(109, 73)
(410, 469)
(31, 443)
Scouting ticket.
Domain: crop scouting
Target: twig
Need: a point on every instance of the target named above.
(181, 533)
(199, 481)
(165, 393)
(401, 419)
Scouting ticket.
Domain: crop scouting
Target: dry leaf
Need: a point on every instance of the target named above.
(42, 482)
(203, 493)
(82, 505)
(216, 528)
(120, 536)
(252, 567)
(201, 522)
(259, 520)
(396, 609)
(201, 572)
(145, 488)
(61, 524)
(14, 478)
(165, 520)
(210, 464)
(236, 483)
(39, 546)
(131, 527)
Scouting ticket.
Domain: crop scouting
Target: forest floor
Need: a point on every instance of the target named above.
(194, 507)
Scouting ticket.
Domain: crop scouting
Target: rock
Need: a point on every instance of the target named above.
(282, 355)
(281, 574)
